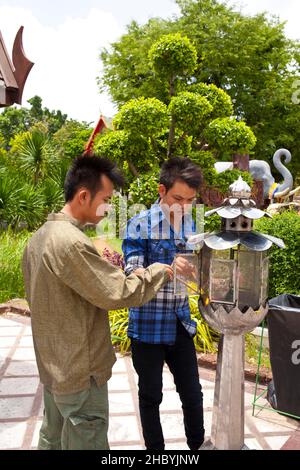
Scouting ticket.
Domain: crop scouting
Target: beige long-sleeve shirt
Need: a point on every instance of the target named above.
(70, 287)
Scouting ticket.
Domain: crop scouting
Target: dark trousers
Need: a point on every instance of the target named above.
(148, 361)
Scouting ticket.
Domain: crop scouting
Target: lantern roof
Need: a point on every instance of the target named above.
(238, 204)
(255, 241)
(224, 240)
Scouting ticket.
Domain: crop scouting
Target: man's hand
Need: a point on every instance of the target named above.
(169, 270)
(139, 271)
(183, 267)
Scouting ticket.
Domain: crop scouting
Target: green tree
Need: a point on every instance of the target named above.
(173, 57)
(147, 131)
(70, 140)
(228, 135)
(248, 56)
(13, 120)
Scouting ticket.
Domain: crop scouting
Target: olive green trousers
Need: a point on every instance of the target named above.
(78, 421)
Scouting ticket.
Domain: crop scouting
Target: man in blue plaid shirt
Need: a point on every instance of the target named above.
(162, 330)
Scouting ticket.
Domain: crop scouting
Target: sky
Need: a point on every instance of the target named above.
(64, 39)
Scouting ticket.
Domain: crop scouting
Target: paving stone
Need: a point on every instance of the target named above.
(266, 429)
(208, 398)
(118, 382)
(26, 341)
(12, 435)
(9, 331)
(252, 444)
(168, 381)
(120, 365)
(276, 442)
(207, 422)
(23, 354)
(27, 331)
(22, 368)
(121, 403)
(15, 407)
(6, 322)
(132, 447)
(123, 429)
(7, 341)
(36, 434)
(19, 386)
(171, 401)
(177, 445)
(172, 425)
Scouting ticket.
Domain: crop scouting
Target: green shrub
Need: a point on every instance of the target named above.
(219, 99)
(20, 203)
(206, 338)
(212, 223)
(144, 190)
(118, 327)
(142, 116)
(227, 134)
(223, 180)
(190, 110)
(220, 181)
(285, 263)
(11, 250)
(173, 55)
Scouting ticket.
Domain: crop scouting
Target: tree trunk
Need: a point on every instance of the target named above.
(171, 138)
(132, 168)
(173, 122)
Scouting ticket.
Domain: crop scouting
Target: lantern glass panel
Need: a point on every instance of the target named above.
(188, 282)
(250, 278)
(222, 279)
(265, 279)
(206, 254)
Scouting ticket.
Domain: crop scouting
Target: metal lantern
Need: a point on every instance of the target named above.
(233, 291)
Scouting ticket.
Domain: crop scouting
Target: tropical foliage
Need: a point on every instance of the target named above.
(249, 57)
(207, 84)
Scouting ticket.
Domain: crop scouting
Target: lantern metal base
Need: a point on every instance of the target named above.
(231, 320)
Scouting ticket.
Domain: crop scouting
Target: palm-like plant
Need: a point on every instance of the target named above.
(36, 154)
(53, 194)
(20, 202)
(8, 194)
(29, 206)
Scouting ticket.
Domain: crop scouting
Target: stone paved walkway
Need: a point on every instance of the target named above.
(21, 406)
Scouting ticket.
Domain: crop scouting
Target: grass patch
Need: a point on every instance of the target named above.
(115, 244)
(11, 251)
(252, 351)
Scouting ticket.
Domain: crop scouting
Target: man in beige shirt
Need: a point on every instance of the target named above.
(70, 287)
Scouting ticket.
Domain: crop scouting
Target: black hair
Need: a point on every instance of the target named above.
(180, 169)
(86, 171)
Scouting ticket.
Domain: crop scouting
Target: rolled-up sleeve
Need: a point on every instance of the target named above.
(134, 254)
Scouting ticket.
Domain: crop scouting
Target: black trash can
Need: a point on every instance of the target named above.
(284, 338)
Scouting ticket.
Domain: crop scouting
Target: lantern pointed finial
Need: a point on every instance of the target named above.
(240, 188)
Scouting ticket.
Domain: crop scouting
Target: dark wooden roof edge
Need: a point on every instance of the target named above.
(13, 73)
(6, 66)
(21, 63)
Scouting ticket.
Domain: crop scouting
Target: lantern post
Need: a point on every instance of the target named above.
(233, 292)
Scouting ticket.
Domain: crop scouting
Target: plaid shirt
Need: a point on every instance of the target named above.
(149, 239)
